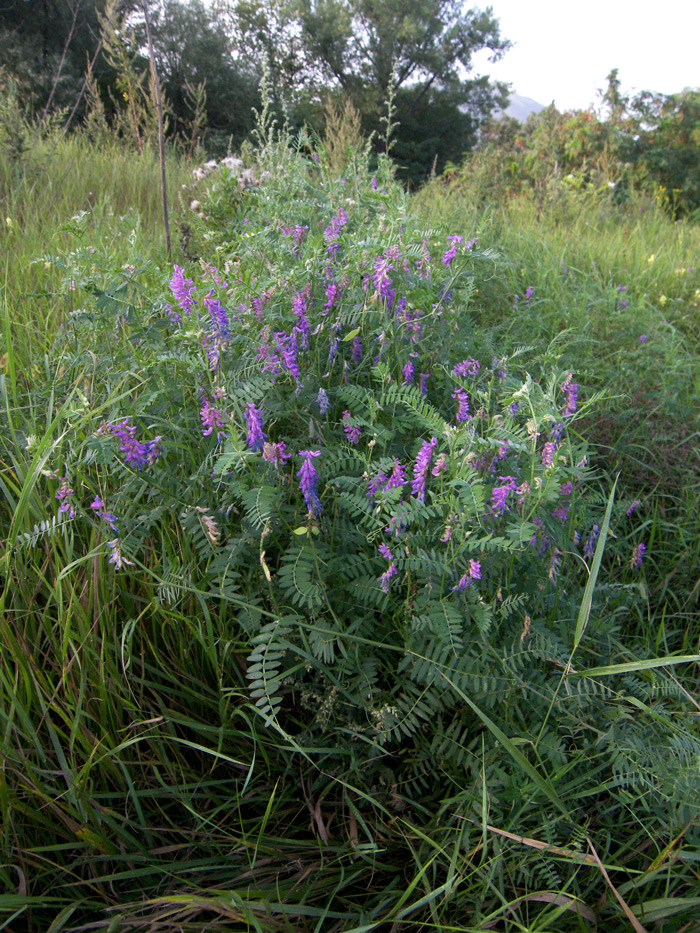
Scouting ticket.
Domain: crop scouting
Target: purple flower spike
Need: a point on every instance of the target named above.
(276, 454)
(397, 477)
(632, 507)
(211, 418)
(254, 421)
(308, 481)
(64, 496)
(454, 241)
(182, 289)
(637, 556)
(462, 404)
(352, 431)
(474, 573)
(323, 401)
(421, 467)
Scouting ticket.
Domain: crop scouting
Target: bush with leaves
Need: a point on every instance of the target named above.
(316, 436)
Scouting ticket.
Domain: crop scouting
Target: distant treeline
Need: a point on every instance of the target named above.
(85, 61)
(648, 142)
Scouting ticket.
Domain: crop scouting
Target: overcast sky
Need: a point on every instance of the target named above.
(563, 50)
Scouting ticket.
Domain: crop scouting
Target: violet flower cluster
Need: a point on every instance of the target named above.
(308, 482)
(421, 467)
(137, 454)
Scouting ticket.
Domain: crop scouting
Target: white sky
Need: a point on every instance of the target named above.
(563, 50)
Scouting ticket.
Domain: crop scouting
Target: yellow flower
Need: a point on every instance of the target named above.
(8, 221)
(651, 259)
(662, 300)
(680, 271)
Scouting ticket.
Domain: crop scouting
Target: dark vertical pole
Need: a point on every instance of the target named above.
(161, 137)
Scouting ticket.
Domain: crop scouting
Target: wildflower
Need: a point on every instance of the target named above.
(116, 557)
(287, 346)
(275, 454)
(255, 437)
(468, 367)
(381, 280)
(323, 401)
(424, 383)
(462, 404)
(548, 453)
(302, 326)
(219, 331)
(632, 507)
(137, 454)
(529, 292)
(98, 506)
(332, 232)
(514, 407)
(64, 495)
(662, 300)
(308, 481)
(183, 289)
(408, 372)
(356, 350)
(589, 546)
(554, 564)
(352, 431)
(643, 338)
(211, 418)
(440, 465)
(332, 293)
(566, 488)
(420, 469)
(397, 477)
(473, 573)
(374, 183)
(374, 484)
(390, 572)
(499, 494)
(637, 555)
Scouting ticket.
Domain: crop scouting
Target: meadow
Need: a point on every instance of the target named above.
(350, 562)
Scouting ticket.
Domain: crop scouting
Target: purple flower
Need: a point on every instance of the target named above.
(462, 404)
(374, 484)
(499, 494)
(182, 289)
(287, 347)
(211, 418)
(570, 390)
(116, 557)
(468, 367)
(356, 350)
(424, 383)
(554, 564)
(589, 546)
(219, 331)
(637, 556)
(385, 552)
(255, 437)
(275, 454)
(409, 372)
(137, 454)
(529, 291)
(332, 293)
(302, 326)
(332, 231)
(323, 401)
(473, 573)
(421, 467)
(390, 572)
(454, 241)
(397, 477)
(643, 338)
(548, 453)
(632, 507)
(64, 495)
(352, 431)
(440, 465)
(308, 481)
(374, 183)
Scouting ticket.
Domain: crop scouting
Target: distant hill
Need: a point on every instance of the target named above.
(521, 107)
